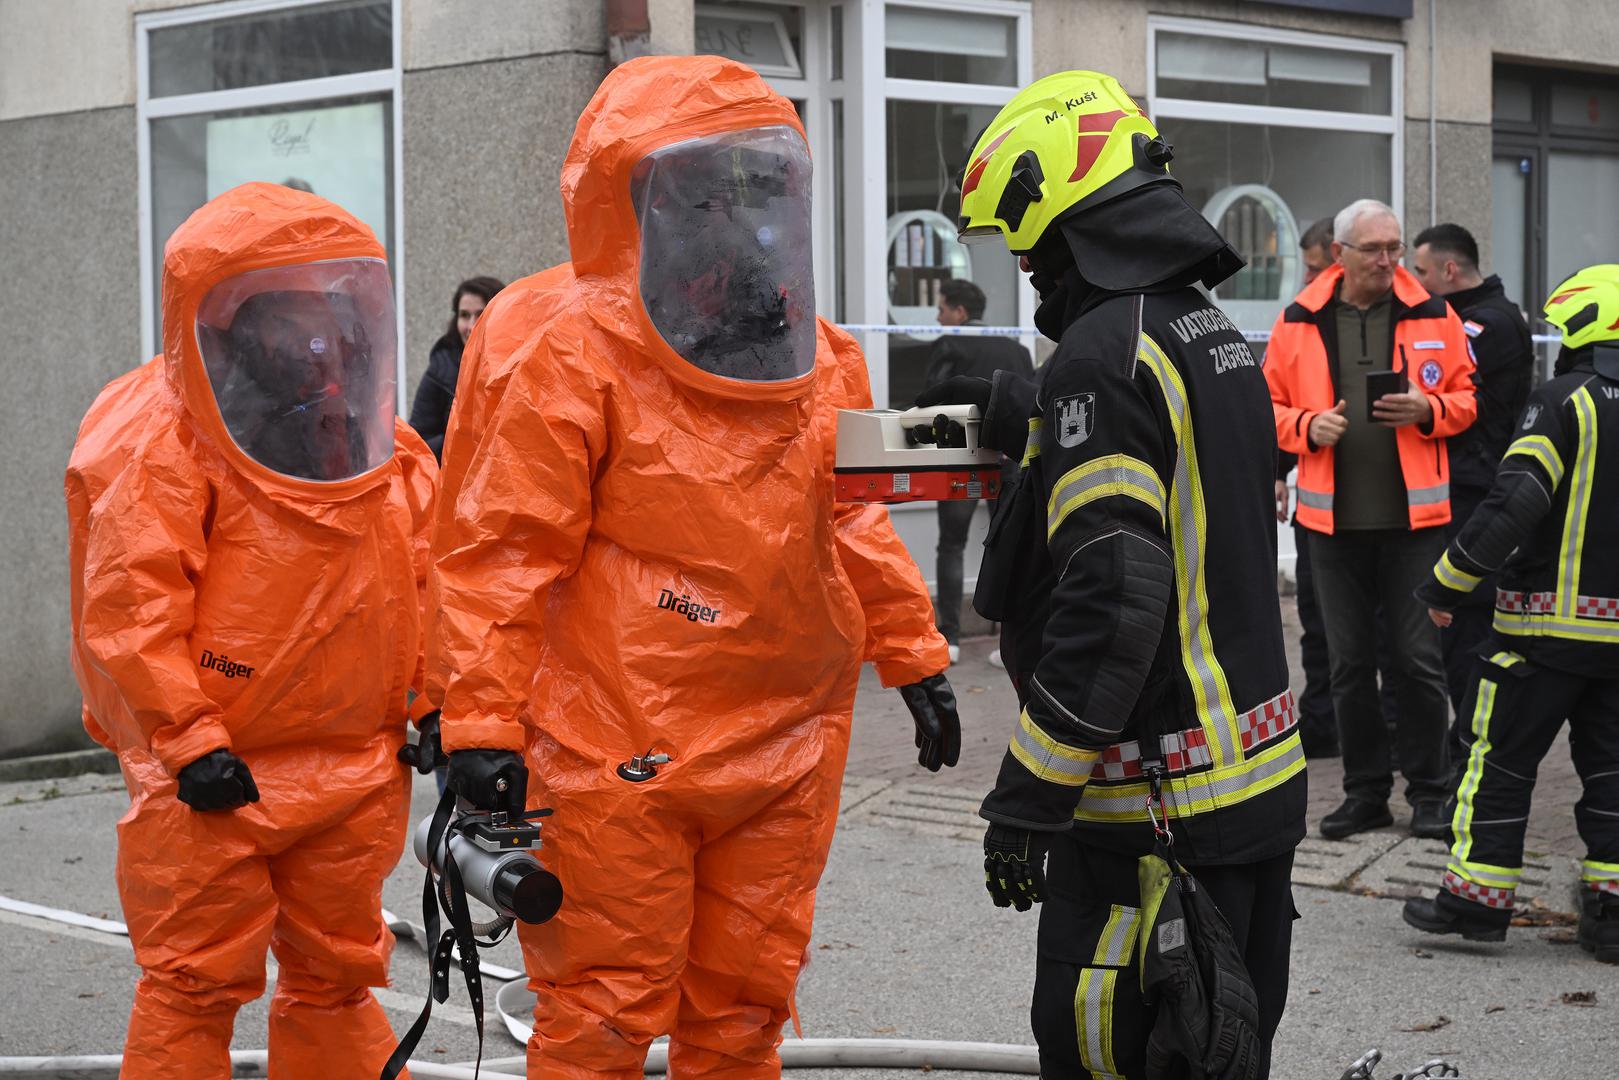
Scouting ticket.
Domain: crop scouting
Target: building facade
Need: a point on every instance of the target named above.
(442, 123)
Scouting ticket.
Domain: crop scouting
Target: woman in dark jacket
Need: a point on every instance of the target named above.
(430, 412)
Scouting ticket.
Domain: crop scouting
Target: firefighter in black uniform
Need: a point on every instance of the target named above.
(1550, 529)
(1133, 569)
(1445, 259)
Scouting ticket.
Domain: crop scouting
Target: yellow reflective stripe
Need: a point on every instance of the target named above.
(1093, 1020)
(1591, 870)
(1542, 450)
(1579, 503)
(1031, 449)
(1492, 877)
(1577, 628)
(1461, 821)
(1112, 474)
(1200, 792)
(1049, 759)
(1188, 519)
(1152, 883)
(1118, 939)
(1453, 577)
(1506, 659)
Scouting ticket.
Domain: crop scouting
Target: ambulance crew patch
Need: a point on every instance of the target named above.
(1431, 374)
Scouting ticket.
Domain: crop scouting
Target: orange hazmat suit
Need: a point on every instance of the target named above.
(637, 550)
(249, 537)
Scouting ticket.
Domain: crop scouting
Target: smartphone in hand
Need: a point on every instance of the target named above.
(1379, 383)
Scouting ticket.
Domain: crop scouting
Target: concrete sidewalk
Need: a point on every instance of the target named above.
(907, 944)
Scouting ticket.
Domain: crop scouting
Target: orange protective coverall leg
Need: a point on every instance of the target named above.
(638, 550)
(249, 538)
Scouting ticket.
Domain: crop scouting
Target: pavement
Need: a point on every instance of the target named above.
(906, 943)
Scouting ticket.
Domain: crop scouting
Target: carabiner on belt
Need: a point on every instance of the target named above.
(1155, 797)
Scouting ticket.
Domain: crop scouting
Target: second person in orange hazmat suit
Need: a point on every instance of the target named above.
(249, 538)
(637, 554)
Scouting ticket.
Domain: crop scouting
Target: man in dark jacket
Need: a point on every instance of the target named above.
(1445, 259)
(961, 303)
(1141, 631)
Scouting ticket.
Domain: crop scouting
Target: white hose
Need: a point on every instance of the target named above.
(244, 1063)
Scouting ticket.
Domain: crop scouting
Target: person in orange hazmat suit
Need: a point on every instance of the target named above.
(249, 542)
(638, 558)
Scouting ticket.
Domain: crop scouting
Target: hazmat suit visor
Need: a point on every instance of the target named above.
(301, 360)
(725, 274)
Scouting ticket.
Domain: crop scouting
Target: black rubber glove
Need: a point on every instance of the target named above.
(938, 727)
(427, 753)
(958, 390)
(219, 780)
(1015, 866)
(489, 779)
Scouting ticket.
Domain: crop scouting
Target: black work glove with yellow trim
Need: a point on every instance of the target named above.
(1015, 866)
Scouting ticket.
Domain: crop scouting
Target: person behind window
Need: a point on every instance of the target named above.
(961, 303)
(430, 412)
(1374, 495)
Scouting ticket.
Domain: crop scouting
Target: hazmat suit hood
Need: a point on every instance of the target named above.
(686, 191)
(303, 404)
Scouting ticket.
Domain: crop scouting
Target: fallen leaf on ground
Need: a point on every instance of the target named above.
(883, 1031)
(1422, 954)
(1580, 997)
(1316, 991)
(1433, 1025)
(1494, 1008)
(1561, 937)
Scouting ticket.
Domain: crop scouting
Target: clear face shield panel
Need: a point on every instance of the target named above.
(726, 276)
(302, 364)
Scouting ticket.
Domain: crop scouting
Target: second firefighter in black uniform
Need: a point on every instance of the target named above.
(1550, 529)
(1133, 569)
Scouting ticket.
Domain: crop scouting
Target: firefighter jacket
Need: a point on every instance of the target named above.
(1301, 366)
(1134, 570)
(1505, 355)
(1548, 526)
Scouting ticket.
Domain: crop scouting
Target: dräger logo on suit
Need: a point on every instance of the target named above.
(224, 665)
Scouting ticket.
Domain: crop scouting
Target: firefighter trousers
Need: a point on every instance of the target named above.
(1088, 1016)
(1513, 712)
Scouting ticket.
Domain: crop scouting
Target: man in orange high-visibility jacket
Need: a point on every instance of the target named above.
(1374, 494)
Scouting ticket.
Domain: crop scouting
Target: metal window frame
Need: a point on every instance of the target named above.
(1391, 124)
(388, 81)
(1537, 140)
(871, 244)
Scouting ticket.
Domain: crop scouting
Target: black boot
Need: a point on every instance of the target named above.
(1599, 924)
(1354, 816)
(1429, 820)
(1447, 914)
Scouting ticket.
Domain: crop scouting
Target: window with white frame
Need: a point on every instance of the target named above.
(948, 67)
(285, 91)
(1272, 131)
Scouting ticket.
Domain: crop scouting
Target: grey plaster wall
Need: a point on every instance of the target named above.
(71, 309)
(1464, 178)
(483, 163)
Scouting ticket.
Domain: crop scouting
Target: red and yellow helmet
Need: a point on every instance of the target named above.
(1069, 140)
(1586, 306)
